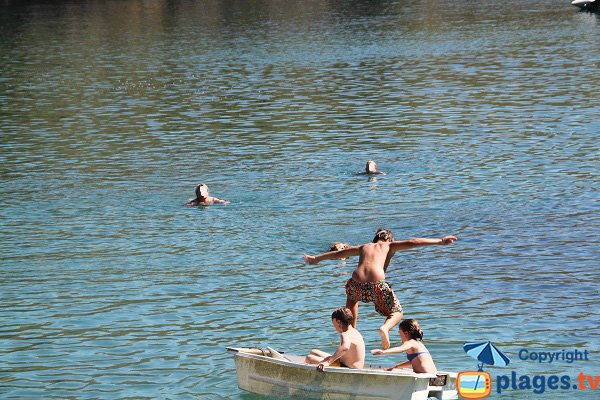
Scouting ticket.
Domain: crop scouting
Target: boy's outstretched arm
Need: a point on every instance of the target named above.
(330, 255)
(419, 242)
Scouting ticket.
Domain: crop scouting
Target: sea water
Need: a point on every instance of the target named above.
(484, 115)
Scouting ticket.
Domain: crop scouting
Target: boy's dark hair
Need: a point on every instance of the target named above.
(412, 329)
(344, 315)
(383, 235)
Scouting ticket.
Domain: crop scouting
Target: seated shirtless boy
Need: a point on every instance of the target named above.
(351, 351)
(368, 279)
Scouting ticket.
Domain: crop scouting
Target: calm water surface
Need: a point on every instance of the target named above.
(483, 114)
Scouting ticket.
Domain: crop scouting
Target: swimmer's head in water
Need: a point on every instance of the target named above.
(371, 167)
(337, 246)
(201, 191)
(383, 235)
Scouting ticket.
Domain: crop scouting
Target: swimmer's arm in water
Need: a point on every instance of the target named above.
(191, 203)
(419, 242)
(372, 173)
(219, 201)
(331, 255)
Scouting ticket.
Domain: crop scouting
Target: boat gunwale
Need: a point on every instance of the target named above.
(366, 371)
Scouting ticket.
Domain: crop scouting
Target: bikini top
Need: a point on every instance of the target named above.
(415, 355)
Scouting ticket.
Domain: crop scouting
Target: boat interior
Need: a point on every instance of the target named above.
(439, 381)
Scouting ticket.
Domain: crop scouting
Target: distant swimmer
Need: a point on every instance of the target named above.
(371, 169)
(336, 246)
(368, 283)
(203, 198)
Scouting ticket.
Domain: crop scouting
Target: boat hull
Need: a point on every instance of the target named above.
(289, 378)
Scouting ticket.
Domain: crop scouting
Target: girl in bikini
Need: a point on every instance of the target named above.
(412, 343)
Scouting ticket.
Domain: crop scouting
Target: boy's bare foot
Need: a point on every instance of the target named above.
(385, 339)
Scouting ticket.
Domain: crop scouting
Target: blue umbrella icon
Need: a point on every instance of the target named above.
(487, 353)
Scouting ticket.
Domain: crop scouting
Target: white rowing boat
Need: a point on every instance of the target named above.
(269, 372)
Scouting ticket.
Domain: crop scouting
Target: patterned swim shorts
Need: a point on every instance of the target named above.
(378, 292)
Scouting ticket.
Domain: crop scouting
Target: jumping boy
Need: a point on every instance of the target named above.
(351, 351)
(368, 279)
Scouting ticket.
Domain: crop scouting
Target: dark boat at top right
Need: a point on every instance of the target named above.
(587, 5)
